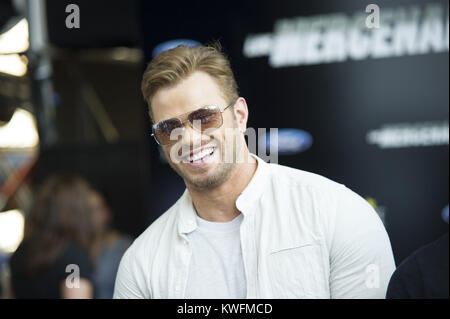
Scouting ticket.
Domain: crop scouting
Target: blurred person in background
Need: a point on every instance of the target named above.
(58, 233)
(424, 274)
(3, 263)
(108, 247)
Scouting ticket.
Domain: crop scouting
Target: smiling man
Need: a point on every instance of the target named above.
(243, 228)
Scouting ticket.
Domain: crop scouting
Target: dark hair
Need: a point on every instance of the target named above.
(62, 214)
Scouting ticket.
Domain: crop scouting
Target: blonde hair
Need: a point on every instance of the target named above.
(171, 66)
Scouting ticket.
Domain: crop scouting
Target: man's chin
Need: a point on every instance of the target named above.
(207, 177)
(198, 175)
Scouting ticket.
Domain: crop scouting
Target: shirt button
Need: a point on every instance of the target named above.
(177, 288)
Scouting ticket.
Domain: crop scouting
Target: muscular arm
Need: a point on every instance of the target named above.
(361, 259)
(127, 283)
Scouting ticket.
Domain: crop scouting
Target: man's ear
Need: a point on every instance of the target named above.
(241, 113)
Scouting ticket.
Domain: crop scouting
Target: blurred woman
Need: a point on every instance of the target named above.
(53, 261)
(108, 248)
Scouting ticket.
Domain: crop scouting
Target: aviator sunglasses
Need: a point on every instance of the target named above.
(207, 117)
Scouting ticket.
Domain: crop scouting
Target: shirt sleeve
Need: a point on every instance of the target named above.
(361, 259)
(127, 282)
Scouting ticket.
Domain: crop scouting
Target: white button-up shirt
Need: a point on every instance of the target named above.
(302, 236)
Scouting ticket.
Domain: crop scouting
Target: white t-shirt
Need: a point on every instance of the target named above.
(216, 267)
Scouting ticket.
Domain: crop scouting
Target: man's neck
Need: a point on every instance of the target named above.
(219, 204)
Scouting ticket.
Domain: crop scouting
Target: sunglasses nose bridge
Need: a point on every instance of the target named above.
(191, 134)
(183, 126)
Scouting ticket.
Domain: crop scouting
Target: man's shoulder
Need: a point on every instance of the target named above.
(329, 192)
(423, 274)
(294, 176)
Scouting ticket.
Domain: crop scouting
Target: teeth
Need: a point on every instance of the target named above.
(201, 154)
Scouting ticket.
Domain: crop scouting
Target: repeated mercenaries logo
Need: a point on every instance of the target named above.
(377, 32)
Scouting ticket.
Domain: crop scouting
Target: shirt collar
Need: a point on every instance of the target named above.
(187, 215)
(254, 189)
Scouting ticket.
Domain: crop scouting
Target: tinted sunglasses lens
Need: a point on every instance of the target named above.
(164, 130)
(207, 118)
